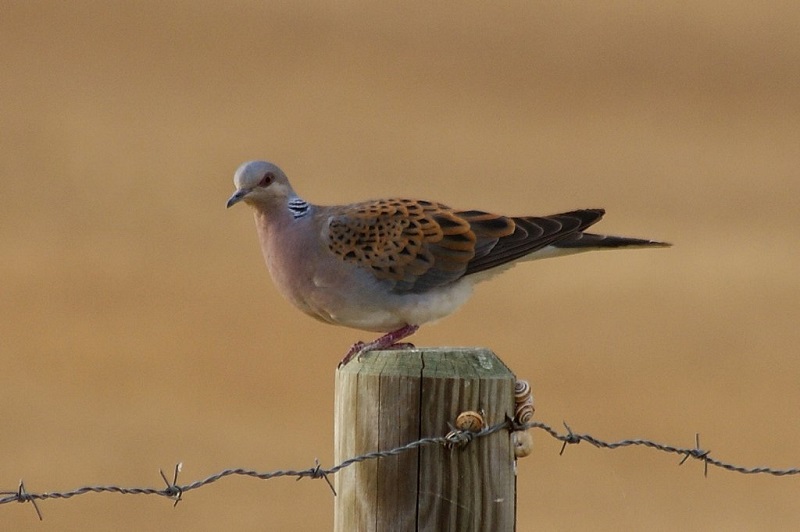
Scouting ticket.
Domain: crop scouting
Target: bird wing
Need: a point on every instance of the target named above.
(419, 245)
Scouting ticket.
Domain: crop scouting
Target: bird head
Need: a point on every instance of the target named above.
(260, 184)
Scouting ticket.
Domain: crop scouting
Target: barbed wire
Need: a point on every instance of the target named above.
(453, 439)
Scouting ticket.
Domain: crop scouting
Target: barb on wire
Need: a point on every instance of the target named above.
(454, 439)
(21, 495)
(318, 472)
(173, 491)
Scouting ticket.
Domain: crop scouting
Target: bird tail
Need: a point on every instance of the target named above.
(586, 241)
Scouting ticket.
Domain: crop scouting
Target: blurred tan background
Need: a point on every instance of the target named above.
(140, 328)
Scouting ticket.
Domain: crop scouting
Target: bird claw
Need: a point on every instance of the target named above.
(387, 341)
(355, 349)
(400, 346)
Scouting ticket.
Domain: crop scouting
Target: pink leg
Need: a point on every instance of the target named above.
(387, 341)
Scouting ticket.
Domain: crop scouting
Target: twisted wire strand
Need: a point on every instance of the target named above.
(455, 438)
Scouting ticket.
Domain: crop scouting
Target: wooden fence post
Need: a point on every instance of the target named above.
(391, 398)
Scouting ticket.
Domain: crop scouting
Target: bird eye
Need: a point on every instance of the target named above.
(267, 179)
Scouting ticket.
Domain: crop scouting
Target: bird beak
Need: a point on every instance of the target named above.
(238, 196)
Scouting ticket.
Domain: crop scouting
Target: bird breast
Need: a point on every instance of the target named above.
(332, 290)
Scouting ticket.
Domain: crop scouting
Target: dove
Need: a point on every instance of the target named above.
(391, 265)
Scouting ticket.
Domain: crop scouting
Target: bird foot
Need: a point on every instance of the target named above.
(387, 341)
